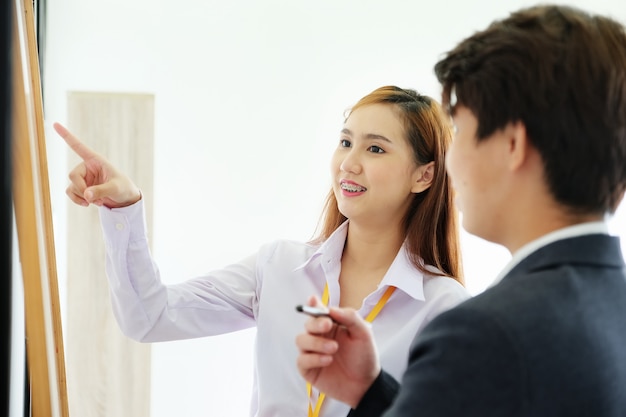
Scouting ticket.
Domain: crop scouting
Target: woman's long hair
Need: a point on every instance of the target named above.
(431, 222)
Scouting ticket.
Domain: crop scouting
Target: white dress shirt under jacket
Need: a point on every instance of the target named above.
(599, 227)
(262, 290)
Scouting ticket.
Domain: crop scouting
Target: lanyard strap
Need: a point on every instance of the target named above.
(370, 318)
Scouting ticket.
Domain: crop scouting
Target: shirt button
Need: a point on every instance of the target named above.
(119, 226)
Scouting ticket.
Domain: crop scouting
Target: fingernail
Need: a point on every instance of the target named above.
(329, 347)
(325, 360)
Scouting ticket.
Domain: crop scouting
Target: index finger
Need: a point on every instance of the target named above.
(350, 320)
(82, 150)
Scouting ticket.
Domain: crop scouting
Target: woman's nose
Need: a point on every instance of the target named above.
(351, 162)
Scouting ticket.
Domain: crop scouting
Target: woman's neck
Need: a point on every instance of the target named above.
(372, 249)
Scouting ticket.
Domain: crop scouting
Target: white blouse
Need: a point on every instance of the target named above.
(262, 290)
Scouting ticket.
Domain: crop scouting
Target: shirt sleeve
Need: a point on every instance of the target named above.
(147, 310)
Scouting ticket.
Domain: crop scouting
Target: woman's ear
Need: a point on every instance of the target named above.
(425, 175)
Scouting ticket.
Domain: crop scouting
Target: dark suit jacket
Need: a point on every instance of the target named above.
(549, 340)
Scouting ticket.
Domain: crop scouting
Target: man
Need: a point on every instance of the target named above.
(538, 101)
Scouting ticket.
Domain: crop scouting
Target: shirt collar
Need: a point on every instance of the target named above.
(331, 248)
(401, 273)
(598, 227)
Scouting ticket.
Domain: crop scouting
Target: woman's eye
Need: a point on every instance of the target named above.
(376, 149)
(344, 143)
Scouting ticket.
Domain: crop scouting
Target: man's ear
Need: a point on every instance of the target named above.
(425, 175)
(519, 145)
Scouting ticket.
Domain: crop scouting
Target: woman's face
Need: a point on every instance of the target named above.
(373, 169)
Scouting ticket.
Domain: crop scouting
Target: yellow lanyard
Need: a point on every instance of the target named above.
(370, 318)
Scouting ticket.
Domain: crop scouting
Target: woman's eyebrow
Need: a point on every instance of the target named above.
(370, 136)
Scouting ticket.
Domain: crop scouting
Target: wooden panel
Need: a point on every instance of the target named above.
(33, 218)
(108, 374)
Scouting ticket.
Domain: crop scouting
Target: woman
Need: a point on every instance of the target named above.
(388, 246)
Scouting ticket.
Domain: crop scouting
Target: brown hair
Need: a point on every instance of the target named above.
(562, 73)
(430, 224)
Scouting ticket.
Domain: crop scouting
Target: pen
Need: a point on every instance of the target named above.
(312, 311)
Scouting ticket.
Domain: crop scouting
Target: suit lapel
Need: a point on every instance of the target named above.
(590, 250)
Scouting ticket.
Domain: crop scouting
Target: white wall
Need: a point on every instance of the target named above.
(249, 100)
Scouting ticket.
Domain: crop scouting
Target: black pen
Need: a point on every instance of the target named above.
(313, 311)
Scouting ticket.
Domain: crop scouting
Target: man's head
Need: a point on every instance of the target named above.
(559, 75)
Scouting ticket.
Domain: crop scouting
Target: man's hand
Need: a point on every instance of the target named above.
(339, 358)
